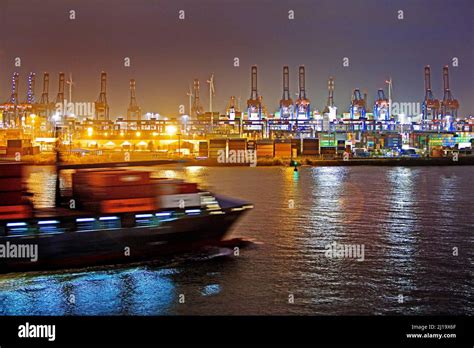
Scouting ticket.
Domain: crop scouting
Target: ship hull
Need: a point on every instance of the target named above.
(121, 246)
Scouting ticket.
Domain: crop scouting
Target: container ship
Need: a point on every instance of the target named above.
(112, 216)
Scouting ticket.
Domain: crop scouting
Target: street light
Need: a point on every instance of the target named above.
(171, 130)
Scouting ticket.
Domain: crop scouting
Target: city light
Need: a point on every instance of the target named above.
(171, 130)
(90, 131)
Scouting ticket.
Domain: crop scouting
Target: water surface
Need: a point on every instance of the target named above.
(408, 220)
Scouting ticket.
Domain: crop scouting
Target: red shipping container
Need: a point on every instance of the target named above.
(188, 187)
(10, 184)
(122, 192)
(128, 205)
(11, 198)
(11, 170)
(12, 151)
(165, 186)
(117, 178)
(15, 212)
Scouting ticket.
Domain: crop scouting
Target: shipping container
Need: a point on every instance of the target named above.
(18, 143)
(11, 197)
(282, 148)
(165, 186)
(11, 169)
(11, 212)
(114, 192)
(179, 200)
(203, 149)
(310, 147)
(127, 205)
(251, 145)
(296, 146)
(237, 144)
(10, 184)
(264, 148)
(12, 151)
(112, 178)
(217, 147)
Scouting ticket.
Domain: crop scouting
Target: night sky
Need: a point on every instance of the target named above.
(167, 53)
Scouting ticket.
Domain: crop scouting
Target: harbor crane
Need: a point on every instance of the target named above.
(357, 108)
(30, 94)
(134, 112)
(381, 107)
(60, 95)
(11, 108)
(255, 106)
(303, 107)
(286, 103)
(330, 109)
(449, 105)
(101, 105)
(232, 108)
(197, 109)
(44, 107)
(431, 106)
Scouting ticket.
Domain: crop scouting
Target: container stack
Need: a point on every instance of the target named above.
(20, 146)
(217, 148)
(12, 204)
(264, 148)
(282, 148)
(203, 149)
(310, 147)
(238, 144)
(175, 193)
(114, 191)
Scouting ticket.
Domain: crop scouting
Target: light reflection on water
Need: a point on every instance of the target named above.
(408, 219)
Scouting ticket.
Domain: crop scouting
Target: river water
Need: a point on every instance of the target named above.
(416, 227)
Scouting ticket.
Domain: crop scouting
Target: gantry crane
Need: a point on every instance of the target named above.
(44, 108)
(449, 105)
(430, 106)
(10, 109)
(255, 107)
(30, 95)
(357, 108)
(232, 108)
(197, 109)
(381, 107)
(303, 106)
(330, 101)
(101, 105)
(134, 112)
(286, 103)
(60, 95)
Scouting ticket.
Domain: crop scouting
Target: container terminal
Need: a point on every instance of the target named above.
(431, 128)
